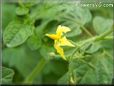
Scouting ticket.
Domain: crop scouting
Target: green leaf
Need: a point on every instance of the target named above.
(54, 65)
(92, 47)
(45, 11)
(22, 58)
(81, 15)
(15, 34)
(46, 51)
(22, 11)
(7, 75)
(68, 15)
(51, 70)
(74, 32)
(103, 72)
(101, 24)
(75, 19)
(34, 42)
(98, 68)
(103, 44)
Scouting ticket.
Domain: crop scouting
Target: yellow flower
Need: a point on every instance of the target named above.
(60, 39)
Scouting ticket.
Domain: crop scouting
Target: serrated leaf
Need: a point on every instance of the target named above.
(15, 34)
(22, 11)
(101, 24)
(7, 75)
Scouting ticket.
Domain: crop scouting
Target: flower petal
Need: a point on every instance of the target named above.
(60, 51)
(64, 42)
(62, 29)
(53, 36)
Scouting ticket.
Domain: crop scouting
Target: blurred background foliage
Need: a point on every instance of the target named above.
(25, 44)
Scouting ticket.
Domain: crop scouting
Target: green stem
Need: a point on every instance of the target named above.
(87, 32)
(102, 36)
(108, 38)
(97, 38)
(36, 71)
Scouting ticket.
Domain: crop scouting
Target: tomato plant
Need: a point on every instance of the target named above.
(56, 42)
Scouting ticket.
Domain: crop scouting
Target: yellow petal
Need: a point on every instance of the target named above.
(53, 36)
(60, 51)
(62, 29)
(65, 42)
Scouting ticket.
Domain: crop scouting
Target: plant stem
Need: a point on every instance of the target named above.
(102, 36)
(97, 38)
(87, 32)
(108, 38)
(36, 71)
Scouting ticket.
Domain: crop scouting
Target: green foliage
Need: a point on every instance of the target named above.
(32, 56)
(101, 25)
(16, 34)
(99, 70)
(34, 42)
(76, 18)
(22, 11)
(20, 59)
(7, 75)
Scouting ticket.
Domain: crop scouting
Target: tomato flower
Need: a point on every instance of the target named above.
(60, 39)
